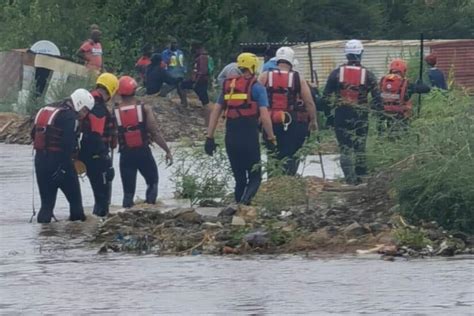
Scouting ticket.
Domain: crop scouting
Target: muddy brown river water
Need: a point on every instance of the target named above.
(49, 269)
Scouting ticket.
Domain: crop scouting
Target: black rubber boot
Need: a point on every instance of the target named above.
(127, 200)
(100, 211)
(44, 217)
(151, 193)
(77, 217)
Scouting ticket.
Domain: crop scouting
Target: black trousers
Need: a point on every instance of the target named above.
(96, 172)
(200, 87)
(141, 160)
(351, 134)
(288, 143)
(393, 125)
(243, 149)
(45, 165)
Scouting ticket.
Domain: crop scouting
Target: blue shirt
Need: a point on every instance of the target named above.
(175, 62)
(259, 95)
(270, 65)
(437, 78)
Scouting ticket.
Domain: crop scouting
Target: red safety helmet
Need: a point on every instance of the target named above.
(431, 59)
(127, 86)
(398, 65)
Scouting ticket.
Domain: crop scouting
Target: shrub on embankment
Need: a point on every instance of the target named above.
(433, 162)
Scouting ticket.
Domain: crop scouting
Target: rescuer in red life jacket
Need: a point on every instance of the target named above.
(244, 101)
(54, 137)
(291, 107)
(137, 129)
(99, 137)
(351, 83)
(396, 91)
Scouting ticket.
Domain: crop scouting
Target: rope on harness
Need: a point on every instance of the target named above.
(33, 185)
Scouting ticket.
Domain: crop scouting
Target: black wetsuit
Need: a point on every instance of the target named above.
(95, 153)
(352, 123)
(48, 162)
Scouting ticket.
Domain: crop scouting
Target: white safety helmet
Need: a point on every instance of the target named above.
(285, 53)
(82, 98)
(354, 47)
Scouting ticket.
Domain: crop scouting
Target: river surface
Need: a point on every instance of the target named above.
(48, 269)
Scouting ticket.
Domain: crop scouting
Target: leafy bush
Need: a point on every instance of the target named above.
(197, 176)
(434, 162)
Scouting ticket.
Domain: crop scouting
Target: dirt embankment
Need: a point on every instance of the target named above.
(175, 121)
(334, 219)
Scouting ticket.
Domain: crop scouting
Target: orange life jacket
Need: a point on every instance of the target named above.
(47, 136)
(131, 126)
(104, 126)
(393, 90)
(238, 97)
(351, 78)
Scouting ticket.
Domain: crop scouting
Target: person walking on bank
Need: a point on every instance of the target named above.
(351, 83)
(54, 137)
(244, 100)
(98, 138)
(200, 79)
(137, 129)
(292, 109)
(436, 76)
(174, 60)
(91, 51)
(396, 91)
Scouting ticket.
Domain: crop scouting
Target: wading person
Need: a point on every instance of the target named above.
(55, 140)
(244, 101)
(98, 138)
(351, 83)
(137, 129)
(291, 106)
(396, 91)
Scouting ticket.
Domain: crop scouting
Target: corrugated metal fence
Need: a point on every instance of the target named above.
(327, 55)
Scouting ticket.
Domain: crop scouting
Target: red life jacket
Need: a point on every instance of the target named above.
(238, 97)
(393, 90)
(47, 136)
(131, 126)
(283, 88)
(351, 78)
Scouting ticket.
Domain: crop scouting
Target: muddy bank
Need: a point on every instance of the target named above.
(175, 121)
(334, 219)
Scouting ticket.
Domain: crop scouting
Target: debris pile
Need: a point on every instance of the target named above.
(335, 219)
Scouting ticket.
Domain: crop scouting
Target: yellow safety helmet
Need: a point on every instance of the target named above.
(248, 61)
(109, 82)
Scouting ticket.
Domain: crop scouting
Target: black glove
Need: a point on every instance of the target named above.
(270, 145)
(210, 146)
(110, 174)
(59, 175)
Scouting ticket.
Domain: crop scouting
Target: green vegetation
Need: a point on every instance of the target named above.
(197, 176)
(221, 24)
(412, 237)
(432, 161)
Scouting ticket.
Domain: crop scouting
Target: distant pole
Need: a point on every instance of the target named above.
(420, 76)
(310, 56)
